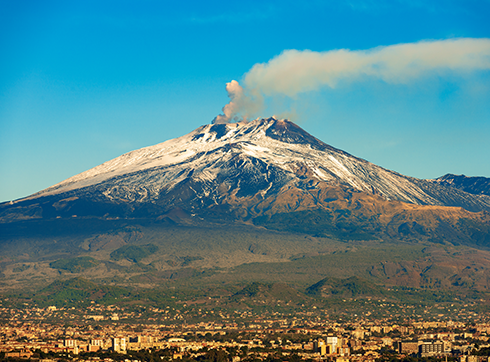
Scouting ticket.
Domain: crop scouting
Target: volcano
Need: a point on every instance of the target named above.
(268, 175)
(252, 164)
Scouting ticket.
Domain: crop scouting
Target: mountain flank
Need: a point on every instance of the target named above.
(258, 202)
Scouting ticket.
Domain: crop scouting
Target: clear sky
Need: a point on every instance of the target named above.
(82, 82)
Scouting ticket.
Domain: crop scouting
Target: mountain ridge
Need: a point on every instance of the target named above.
(476, 185)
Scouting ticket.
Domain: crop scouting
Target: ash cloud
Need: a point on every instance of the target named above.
(294, 72)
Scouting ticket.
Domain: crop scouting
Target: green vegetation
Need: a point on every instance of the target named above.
(268, 292)
(74, 265)
(76, 291)
(253, 289)
(342, 298)
(352, 287)
(134, 253)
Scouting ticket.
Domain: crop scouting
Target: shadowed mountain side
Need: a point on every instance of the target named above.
(347, 214)
(153, 255)
(314, 208)
(472, 185)
(130, 249)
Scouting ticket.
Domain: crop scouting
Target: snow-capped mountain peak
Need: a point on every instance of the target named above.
(258, 158)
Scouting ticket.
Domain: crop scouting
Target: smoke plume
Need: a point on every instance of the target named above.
(294, 72)
(241, 105)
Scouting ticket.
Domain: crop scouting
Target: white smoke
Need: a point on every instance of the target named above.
(293, 71)
(241, 105)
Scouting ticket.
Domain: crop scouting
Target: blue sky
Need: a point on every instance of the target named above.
(82, 82)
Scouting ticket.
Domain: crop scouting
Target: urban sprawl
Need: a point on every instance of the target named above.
(109, 333)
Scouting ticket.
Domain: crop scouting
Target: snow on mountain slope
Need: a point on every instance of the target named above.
(246, 159)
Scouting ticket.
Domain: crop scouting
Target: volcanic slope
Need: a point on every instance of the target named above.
(234, 163)
(225, 195)
(249, 171)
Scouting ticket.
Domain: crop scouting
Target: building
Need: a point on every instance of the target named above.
(95, 345)
(344, 351)
(430, 349)
(70, 343)
(333, 342)
(408, 347)
(23, 354)
(321, 347)
(119, 344)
